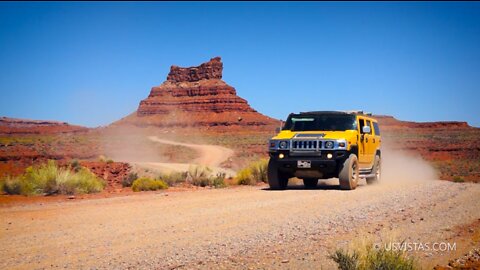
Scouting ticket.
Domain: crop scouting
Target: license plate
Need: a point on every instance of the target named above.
(304, 164)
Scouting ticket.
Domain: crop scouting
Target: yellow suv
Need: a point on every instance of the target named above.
(325, 144)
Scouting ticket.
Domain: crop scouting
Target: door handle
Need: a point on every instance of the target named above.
(373, 140)
(366, 139)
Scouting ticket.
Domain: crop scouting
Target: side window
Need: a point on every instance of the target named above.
(368, 124)
(362, 123)
(376, 128)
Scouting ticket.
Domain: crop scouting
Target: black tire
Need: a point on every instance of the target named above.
(376, 170)
(349, 173)
(276, 179)
(310, 183)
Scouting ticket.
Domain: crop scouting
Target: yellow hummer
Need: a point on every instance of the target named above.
(325, 144)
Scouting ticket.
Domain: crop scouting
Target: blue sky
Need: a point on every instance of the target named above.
(92, 63)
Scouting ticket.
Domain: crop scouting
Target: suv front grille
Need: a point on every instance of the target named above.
(306, 145)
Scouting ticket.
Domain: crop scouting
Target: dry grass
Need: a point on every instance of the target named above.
(49, 178)
(364, 255)
(254, 173)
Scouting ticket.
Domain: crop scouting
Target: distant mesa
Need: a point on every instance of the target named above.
(25, 126)
(197, 97)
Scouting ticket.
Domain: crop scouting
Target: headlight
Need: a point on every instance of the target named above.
(283, 145)
(342, 144)
(329, 144)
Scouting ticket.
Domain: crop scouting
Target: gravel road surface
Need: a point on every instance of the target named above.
(239, 227)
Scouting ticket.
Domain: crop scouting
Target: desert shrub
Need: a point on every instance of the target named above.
(202, 176)
(174, 178)
(12, 185)
(2, 185)
(83, 181)
(245, 177)
(345, 260)
(199, 175)
(218, 181)
(145, 184)
(259, 170)
(127, 181)
(50, 179)
(75, 165)
(369, 258)
(255, 172)
(379, 259)
(109, 161)
(458, 179)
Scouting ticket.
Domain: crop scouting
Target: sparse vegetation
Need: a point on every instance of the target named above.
(146, 184)
(127, 181)
(369, 258)
(458, 179)
(49, 178)
(254, 173)
(345, 260)
(202, 176)
(174, 178)
(75, 164)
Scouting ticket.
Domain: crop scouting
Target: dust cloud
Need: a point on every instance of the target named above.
(402, 166)
(130, 144)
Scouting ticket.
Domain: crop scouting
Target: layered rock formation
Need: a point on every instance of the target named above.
(197, 97)
(26, 126)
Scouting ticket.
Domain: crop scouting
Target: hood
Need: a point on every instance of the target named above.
(287, 134)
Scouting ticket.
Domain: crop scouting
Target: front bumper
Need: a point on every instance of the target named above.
(321, 166)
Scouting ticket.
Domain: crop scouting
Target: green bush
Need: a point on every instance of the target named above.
(83, 181)
(259, 170)
(254, 173)
(145, 184)
(127, 181)
(245, 177)
(202, 176)
(373, 259)
(75, 165)
(174, 178)
(218, 181)
(345, 260)
(388, 259)
(50, 179)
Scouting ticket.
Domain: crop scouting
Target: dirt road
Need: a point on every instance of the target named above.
(210, 156)
(240, 227)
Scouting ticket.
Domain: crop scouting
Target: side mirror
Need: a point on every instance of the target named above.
(366, 129)
(277, 130)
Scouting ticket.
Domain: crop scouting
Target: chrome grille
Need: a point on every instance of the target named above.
(306, 145)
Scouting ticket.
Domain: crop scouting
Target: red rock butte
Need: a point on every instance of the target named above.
(197, 97)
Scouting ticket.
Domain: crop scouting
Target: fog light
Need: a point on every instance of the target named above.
(329, 156)
(281, 155)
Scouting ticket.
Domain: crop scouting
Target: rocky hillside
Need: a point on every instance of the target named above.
(197, 97)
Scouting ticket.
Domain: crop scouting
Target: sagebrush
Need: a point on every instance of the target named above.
(254, 173)
(369, 258)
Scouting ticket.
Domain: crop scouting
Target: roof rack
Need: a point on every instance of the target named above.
(338, 112)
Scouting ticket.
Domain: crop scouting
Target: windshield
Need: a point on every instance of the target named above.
(321, 122)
